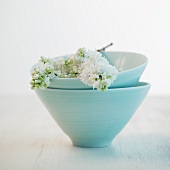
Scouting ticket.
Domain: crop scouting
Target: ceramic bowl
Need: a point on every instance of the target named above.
(92, 118)
(130, 66)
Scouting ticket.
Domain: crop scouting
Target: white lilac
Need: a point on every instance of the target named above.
(89, 66)
(64, 67)
(41, 73)
(97, 72)
(70, 66)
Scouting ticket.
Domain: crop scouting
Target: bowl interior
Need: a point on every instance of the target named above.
(125, 60)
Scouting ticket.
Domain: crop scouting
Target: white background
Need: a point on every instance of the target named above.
(31, 28)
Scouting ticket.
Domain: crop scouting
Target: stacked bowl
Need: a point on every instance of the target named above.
(92, 118)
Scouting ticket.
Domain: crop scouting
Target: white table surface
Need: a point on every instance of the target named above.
(31, 140)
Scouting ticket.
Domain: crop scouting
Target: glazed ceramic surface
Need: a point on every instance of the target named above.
(130, 66)
(93, 118)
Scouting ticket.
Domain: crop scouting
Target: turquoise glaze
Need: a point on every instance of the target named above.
(130, 66)
(92, 118)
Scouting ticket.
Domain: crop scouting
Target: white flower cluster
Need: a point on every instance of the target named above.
(89, 66)
(97, 72)
(70, 66)
(41, 73)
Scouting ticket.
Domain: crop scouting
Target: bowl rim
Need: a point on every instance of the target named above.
(139, 85)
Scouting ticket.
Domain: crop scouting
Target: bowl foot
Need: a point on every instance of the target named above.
(91, 143)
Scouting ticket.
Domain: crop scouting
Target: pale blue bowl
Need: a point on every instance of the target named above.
(93, 118)
(130, 65)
